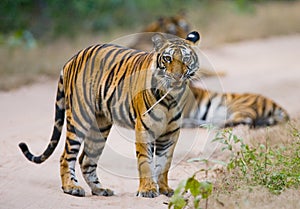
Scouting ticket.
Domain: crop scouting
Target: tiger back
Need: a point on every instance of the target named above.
(108, 84)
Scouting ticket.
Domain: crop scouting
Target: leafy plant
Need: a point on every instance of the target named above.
(193, 190)
(275, 168)
(191, 187)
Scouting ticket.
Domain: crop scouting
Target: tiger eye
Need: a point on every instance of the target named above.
(167, 58)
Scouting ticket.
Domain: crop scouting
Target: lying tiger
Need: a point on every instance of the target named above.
(108, 84)
(176, 25)
(218, 109)
(229, 109)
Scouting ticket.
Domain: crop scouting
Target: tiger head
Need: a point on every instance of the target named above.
(177, 58)
(176, 25)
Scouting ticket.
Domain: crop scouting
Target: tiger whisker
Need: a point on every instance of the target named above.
(158, 101)
(196, 77)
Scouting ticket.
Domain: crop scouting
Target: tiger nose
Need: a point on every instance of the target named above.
(177, 76)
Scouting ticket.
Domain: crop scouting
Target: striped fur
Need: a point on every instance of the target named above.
(106, 84)
(230, 109)
(176, 25)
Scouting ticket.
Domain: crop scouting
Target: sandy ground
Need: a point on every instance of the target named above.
(270, 67)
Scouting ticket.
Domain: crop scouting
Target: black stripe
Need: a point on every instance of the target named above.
(170, 132)
(75, 117)
(74, 142)
(59, 115)
(88, 172)
(87, 104)
(55, 134)
(146, 100)
(157, 93)
(148, 129)
(109, 81)
(113, 59)
(71, 159)
(207, 109)
(176, 117)
(132, 116)
(109, 103)
(124, 117)
(105, 128)
(100, 99)
(163, 147)
(95, 53)
(79, 133)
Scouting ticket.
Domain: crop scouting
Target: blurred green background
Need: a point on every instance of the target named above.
(48, 19)
(38, 36)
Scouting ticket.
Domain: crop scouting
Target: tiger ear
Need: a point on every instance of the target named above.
(193, 37)
(158, 41)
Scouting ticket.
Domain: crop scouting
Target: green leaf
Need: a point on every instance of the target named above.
(177, 201)
(219, 162)
(206, 188)
(197, 159)
(180, 189)
(196, 202)
(193, 185)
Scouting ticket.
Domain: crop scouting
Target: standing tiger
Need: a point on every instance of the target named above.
(145, 91)
(230, 109)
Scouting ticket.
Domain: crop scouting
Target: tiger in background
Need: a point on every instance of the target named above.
(176, 25)
(145, 91)
(230, 109)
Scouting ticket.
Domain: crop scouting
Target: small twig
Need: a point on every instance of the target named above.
(267, 149)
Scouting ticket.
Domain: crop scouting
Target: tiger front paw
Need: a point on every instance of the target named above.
(74, 190)
(147, 193)
(147, 188)
(102, 192)
(166, 191)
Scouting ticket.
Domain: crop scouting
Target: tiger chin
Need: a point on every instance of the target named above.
(108, 84)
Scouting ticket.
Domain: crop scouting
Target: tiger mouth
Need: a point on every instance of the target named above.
(178, 84)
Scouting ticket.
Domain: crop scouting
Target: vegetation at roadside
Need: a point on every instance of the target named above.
(26, 20)
(275, 167)
(37, 37)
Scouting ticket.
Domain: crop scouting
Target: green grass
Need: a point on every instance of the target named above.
(270, 165)
(275, 167)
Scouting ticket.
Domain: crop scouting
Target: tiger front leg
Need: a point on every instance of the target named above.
(165, 146)
(144, 154)
(147, 187)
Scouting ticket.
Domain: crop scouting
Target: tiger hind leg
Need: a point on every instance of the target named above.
(67, 163)
(93, 147)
